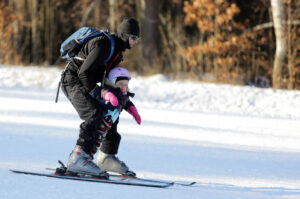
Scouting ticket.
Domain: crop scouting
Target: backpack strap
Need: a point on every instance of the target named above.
(116, 57)
(112, 49)
(112, 46)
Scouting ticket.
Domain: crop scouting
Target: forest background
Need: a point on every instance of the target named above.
(245, 42)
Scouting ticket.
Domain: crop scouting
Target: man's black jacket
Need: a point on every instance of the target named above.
(95, 52)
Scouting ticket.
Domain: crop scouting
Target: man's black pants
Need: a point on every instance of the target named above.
(89, 110)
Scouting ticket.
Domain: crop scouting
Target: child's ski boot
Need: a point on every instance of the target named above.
(112, 163)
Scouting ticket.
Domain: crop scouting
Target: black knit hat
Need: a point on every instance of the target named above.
(128, 27)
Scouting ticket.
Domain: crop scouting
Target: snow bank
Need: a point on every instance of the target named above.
(158, 91)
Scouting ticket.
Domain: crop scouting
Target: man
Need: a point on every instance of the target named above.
(79, 78)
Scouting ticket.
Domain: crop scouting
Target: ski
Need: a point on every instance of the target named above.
(181, 183)
(122, 177)
(123, 181)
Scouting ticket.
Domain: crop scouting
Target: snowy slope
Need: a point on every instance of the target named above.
(236, 142)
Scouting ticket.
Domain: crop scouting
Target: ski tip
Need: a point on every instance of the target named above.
(14, 171)
(166, 185)
(187, 184)
(17, 171)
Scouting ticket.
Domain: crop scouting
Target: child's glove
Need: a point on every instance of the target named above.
(110, 97)
(133, 111)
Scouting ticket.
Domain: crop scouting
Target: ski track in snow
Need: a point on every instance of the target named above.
(244, 144)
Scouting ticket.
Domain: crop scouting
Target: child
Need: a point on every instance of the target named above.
(115, 99)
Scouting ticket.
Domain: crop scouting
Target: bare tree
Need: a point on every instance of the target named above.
(279, 19)
(112, 14)
(87, 13)
(150, 31)
(34, 31)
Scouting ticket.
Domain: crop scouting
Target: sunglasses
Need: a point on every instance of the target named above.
(134, 37)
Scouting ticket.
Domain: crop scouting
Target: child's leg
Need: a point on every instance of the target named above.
(107, 159)
(110, 144)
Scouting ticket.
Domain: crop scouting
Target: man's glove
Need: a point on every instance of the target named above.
(133, 111)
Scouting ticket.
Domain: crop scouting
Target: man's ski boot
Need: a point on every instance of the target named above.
(108, 162)
(81, 163)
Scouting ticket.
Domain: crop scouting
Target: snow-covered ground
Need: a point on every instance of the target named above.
(234, 141)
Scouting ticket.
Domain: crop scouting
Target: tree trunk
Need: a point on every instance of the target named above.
(34, 31)
(112, 14)
(97, 14)
(281, 43)
(150, 31)
(87, 13)
(139, 12)
(290, 57)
